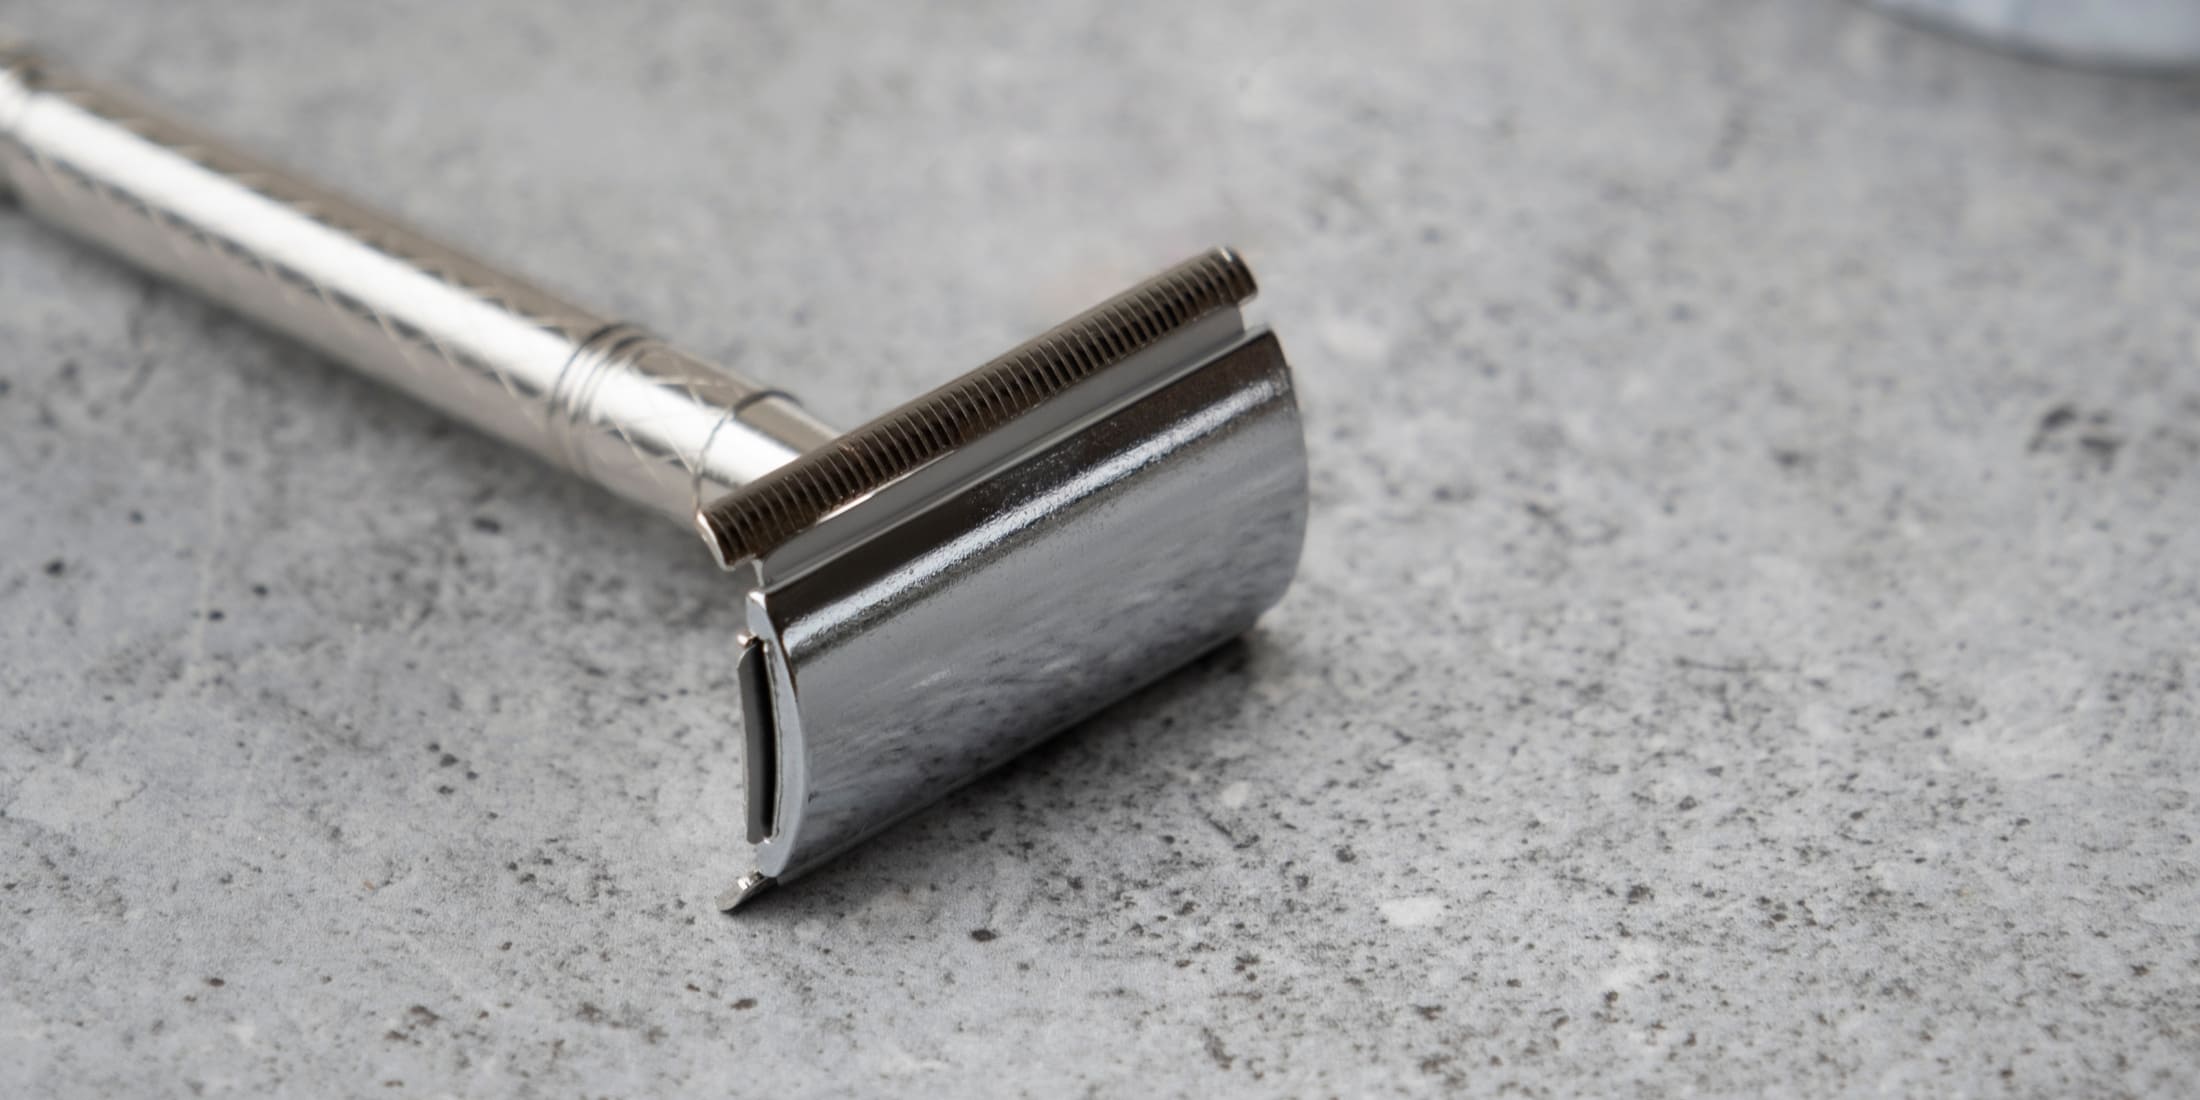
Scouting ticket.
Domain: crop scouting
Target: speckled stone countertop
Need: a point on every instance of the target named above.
(1747, 638)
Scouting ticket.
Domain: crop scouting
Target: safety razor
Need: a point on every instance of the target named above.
(923, 597)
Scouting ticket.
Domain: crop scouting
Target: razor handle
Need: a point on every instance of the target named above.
(923, 597)
(601, 398)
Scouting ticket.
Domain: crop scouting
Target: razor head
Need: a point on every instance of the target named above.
(936, 591)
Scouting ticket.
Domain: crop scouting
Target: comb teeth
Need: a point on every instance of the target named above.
(758, 516)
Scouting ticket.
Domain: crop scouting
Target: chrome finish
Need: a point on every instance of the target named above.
(924, 597)
(2154, 35)
(964, 411)
(980, 610)
(651, 423)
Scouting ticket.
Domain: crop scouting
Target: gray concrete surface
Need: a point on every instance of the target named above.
(1746, 643)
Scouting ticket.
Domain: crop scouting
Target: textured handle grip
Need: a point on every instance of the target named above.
(647, 421)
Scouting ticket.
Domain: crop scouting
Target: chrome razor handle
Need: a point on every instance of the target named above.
(923, 597)
(649, 422)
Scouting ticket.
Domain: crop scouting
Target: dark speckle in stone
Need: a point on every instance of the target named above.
(2102, 448)
(487, 526)
(2055, 420)
(56, 567)
(983, 935)
(1639, 893)
(1216, 1051)
(745, 1004)
(216, 982)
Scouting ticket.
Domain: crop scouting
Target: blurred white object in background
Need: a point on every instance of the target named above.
(2151, 34)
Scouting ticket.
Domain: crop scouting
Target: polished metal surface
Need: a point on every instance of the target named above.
(973, 617)
(924, 597)
(2115, 34)
(797, 495)
(647, 421)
